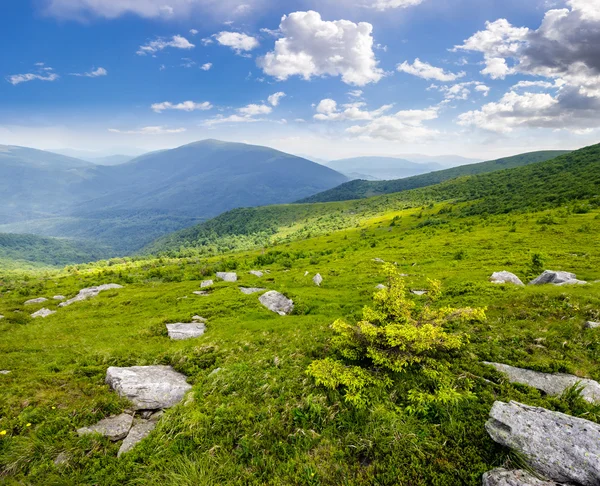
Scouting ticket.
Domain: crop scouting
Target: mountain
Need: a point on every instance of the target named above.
(358, 189)
(444, 160)
(114, 156)
(129, 205)
(111, 159)
(381, 168)
(565, 179)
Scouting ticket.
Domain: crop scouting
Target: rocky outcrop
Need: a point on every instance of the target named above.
(251, 290)
(43, 313)
(181, 332)
(557, 278)
(114, 428)
(140, 430)
(206, 283)
(317, 280)
(148, 387)
(560, 447)
(39, 300)
(59, 297)
(551, 384)
(505, 277)
(256, 273)
(89, 293)
(227, 276)
(277, 302)
(503, 477)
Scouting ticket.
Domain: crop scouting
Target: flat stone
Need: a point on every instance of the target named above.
(420, 292)
(227, 276)
(148, 387)
(180, 332)
(138, 432)
(201, 292)
(114, 428)
(592, 325)
(503, 477)
(572, 282)
(378, 260)
(553, 277)
(505, 277)
(256, 273)
(89, 293)
(4, 372)
(317, 280)
(43, 313)
(551, 384)
(39, 300)
(277, 302)
(251, 290)
(206, 283)
(560, 447)
(59, 297)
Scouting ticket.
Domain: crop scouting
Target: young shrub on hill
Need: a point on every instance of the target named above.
(397, 337)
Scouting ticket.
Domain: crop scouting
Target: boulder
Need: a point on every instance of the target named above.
(277, 302)
(420, 292)
(572, 282)
(89, 293)
(503, 477)
(4, 372)
(43, 313)
(148, 387)
(505, 277)
(114, 428)
(560, 447)
(59, 297)
(256, 273)
(551, 384)
(251, 290)
(317, 279)
(180, 332)
(39, 300)
(227, 276)
(592, 325)
(381, 287)
(206, 283)
(552, 277)
(138, 432)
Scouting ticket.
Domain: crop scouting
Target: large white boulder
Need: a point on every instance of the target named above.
(251, 290)
(115, 428)
(227, 276)
(43, 313)
(317, 280)
(505, 277)
(39, 300)
(180, 332)
(277, 302)
(556, 278)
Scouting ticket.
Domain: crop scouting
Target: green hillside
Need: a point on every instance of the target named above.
(568, 178)
(359, 189)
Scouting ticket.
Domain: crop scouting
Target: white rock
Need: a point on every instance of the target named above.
(115, 428)
(40, 300)
(89, 293)
(592, 325)
(552, 277)
(572, 282)
(180, 332)
(43, 313)
(148, 387)
(227, 276)
(138, 432)
(505, 277)
(256, 273)
(306, 274)
(381, 287)
(201, 292)
(252, 290)
(277, 302)
(551, 384)
(59, 297)
(419, 292)
(206, 283)
(4, 372)
(378, 260)
(317, 279)
(502, 477)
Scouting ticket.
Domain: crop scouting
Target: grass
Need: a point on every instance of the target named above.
(261, 419)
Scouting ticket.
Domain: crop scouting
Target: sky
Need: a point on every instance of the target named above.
(322, 78)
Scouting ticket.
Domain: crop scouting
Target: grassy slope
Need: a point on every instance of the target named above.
(361, 189)
(547, 184)
(258, 422)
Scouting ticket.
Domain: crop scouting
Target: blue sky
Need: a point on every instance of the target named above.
(327, 78)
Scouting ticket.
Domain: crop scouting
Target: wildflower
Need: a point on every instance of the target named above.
(28, 425)
(3, 432)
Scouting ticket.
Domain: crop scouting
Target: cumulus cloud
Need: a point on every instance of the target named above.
(238, 41)
(327, 110)
(275, 98)
(382, 5)
(95, 73)
(427, 71)
(185, 106)
(44, 74)
(207, 66)
(311, 46)
(460, 91)
(247, 114)
(176, 42)
(158, 130)
(254, 110)
(403, 126)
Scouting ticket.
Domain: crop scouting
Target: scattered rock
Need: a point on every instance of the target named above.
(378, 260)
(148, 387)
(572, 282)
(592, 325)
(563, 448)
(59, 297)
(277, 302)
(114, 428)
(201, 292)
(206, 283)
(89, 293)
(420, 292)
(505, 277)
(180, 332)
(43, 313)
(551, 384)
(381, 287)
(138, 432)
(503, 477)
(40, 300)
(61, 459)
(4, 372)
(556, 278)
(227, 276)
(256, 273)
(251, 290)
(317, 279)
(199, 319)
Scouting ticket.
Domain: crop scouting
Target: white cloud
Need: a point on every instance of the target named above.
(149, 131)
(95, 73)
(327, 110)
(207, 66)
(311, 46)
(404, 126)
(15, 79)
(176, 42)
(275, 98)
(238, 41)
(185, 106)
(427, 71)
(193, 32)
(533, 84)
(460, 91)
(382, 5)
(207, 41)
(254, 110)
(355, 93)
